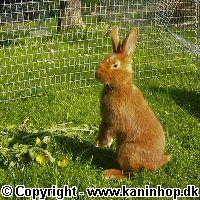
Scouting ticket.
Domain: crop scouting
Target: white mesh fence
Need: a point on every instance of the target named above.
(56, 44)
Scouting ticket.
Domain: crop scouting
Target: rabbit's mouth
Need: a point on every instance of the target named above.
(104, 79)
(105, 82)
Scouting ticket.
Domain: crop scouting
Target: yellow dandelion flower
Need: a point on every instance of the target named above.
(41, 159)
(63, 163)
(37, 141)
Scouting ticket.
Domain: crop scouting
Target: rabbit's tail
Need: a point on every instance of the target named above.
(166, 159)
(115, 174)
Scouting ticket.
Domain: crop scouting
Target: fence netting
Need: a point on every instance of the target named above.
(49, 44)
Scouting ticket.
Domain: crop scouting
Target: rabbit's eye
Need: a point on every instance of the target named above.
(115, 66)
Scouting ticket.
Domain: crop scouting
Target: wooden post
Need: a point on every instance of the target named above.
(62, 7)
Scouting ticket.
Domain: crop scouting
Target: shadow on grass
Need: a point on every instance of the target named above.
(188, 100)
(101, 158)
(85, 151)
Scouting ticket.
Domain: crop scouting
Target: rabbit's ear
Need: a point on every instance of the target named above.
(129, 44)
(115, 39)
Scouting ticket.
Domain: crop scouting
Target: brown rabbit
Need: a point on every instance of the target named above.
(126, 114)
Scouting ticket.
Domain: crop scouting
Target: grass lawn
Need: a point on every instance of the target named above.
(71, 119)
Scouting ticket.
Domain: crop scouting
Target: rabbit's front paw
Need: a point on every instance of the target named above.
(104, 143)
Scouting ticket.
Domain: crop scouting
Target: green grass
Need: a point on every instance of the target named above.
(29, 65)
(71, 117)
(175, 100)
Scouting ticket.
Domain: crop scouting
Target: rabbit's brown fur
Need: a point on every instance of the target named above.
(126, 114)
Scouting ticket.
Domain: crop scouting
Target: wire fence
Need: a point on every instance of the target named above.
(49, 44)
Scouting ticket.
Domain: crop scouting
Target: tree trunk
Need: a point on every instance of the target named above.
(185, 11)
(72, 14)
